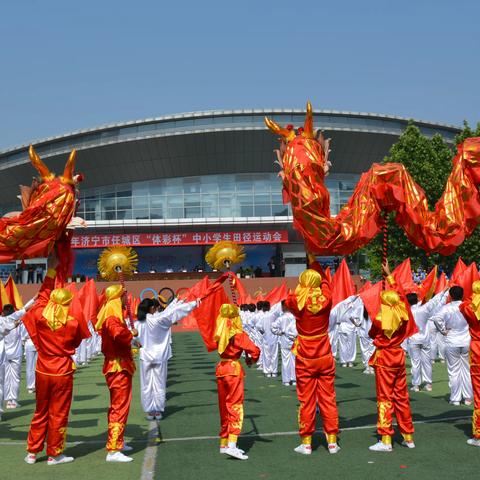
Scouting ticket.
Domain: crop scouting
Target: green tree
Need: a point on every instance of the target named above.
(429, 162)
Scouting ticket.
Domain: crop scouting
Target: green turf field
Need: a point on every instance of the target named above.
(190, 450)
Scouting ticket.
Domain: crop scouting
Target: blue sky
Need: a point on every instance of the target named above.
(67, 65)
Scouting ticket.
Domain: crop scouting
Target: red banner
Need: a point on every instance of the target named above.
(173, 239)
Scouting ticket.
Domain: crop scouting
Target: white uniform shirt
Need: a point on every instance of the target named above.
(154, 333)
(285, 328)
(421, 315)
(265, 323)
(13, 340)
(7, 324)
(351, 307)
(450, 318)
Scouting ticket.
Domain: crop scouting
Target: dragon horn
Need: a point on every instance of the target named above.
(37, 163)
(276, 128)
(308, 125)
(70, 166)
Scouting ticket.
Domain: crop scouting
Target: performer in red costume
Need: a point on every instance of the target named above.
(315, 367)
(232, 342)
(118, 369)
(56, 331)
(470, 309)
(392, 323)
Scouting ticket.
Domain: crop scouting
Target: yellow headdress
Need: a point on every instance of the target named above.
(476, 298)
(228, 324)
(392, 312)
(113, 305)
(307, 289)
(56, 311)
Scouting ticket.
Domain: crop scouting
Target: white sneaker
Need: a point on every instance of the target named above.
(127, 448)
(118, 457)
(286, 384)
(31, 390)
(415, 388)
(31, 458)
(468, 402)
(224, 450)
(304, 449)
(428, 387)
(350, 364)
(158, 416)
(380, 447)
(333, 448)
(474, 442)
(236, 453)
(344, 365)
(150, 417)
(366, 371)
(408, 444)
(274, 375)
(294, 383)
(455, 403)
(59, 459)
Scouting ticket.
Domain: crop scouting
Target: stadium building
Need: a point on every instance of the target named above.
(172, 186)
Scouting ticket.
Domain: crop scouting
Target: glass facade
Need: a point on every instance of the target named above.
(209, 196)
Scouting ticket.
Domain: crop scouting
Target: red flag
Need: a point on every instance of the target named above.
(243, 295)
(89, 297)
(427, 289)
(460, 267)
(12, 293)
(466, 279)
(403, 276)
(365, 286)
(76, 310)
(277, 294)
(342, 285)
(196, 291)
(371, 299)
(441, 283)
(328, 275)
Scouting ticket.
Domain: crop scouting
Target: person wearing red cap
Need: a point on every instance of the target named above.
(392, 324)
(470, 309)
(231, 342)
(315, 367)
(56, 329)
(118, 368)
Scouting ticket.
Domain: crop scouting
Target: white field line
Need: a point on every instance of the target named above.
(268, 434)
(150, 458)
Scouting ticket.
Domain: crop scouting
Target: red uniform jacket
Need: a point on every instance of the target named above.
(55, 347)
(474, 327)
(389, 352)
(229, 364)
(116, 346)
(312, 341)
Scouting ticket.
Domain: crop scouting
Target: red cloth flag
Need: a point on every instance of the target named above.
(427, 289)
(466, 279)
(460, 267)
(12, 293)
(365, 286)
(243, 295)
(277, 294)
(342, 285)
(403, 276)
(89, 297)
(441, 283)
(328, 275)
(371, 299)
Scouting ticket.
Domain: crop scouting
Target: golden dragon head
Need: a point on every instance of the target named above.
(46, 174)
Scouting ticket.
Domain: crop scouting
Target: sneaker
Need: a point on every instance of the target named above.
(59, 459)
(294, 383)
(286, 384)
(366, 371)
(380, 447)
(456, 404)
(224, 450)
(468, 402)
(31, 458)
(31, 390)
(158, 416)
(344, 365)
(350, 364)
(127, 448)
(11, 405)
(236, 453)
(333, 448)
(274, 375)
(428, 387)
(150, 417)
(474, 442)
(304, 449)
(118, 457)
(415, 388)
(408, 444)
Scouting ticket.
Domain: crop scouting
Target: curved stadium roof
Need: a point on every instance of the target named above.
(203, 143)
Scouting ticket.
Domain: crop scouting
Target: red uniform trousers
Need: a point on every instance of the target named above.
(54, 397)
(392, 396)
(315, 386)
(120, 386)
(230, 404)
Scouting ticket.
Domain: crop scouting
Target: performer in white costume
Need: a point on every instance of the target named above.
(284, 327)
(419, 345)
(363, 325)
(454, 327)
(11, 354)
(154, 335)
(341, 315)
(30, 360)
(257, 326)
(270, 341)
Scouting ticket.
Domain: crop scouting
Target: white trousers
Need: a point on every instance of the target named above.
(13, 371)
(333, 337)
(2, 385)
(458, 373)
(421, 359)
(437, 343)
(31, 363)
(347, 347)
(153, 386)
(366, 348)
(81, 353)
(270, 357)
(288, 365)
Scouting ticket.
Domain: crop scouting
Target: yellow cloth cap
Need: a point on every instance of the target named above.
(113, 306)
(56, 310)
(392, 312)
(228, 324)
(307, 289)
